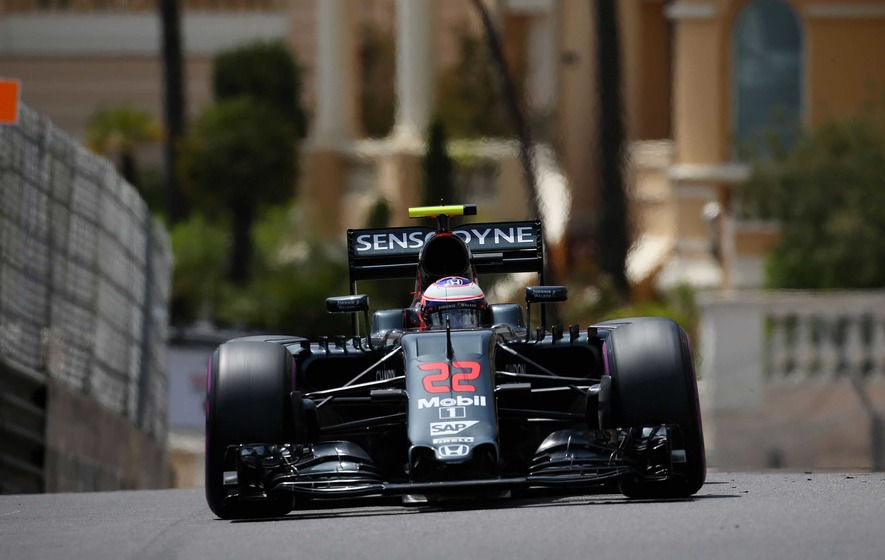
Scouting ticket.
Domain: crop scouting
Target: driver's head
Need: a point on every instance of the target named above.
(455, 301)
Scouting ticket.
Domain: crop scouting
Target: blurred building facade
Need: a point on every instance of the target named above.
(741, 70)
(701, 79)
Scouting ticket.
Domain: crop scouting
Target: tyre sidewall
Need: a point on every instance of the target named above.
(654, 383)
(247, 402)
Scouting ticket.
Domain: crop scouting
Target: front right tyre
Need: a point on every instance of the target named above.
(247, 402)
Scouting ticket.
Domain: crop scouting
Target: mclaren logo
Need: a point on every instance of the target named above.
(453, 450)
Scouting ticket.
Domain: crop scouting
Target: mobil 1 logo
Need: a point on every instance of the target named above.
(452, 412)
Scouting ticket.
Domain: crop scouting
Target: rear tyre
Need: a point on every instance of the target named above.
(654, 383)
(248, 402)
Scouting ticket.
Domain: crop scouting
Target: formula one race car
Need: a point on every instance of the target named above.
(451, 397)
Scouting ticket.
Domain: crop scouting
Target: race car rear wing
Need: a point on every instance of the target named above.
(501, 247)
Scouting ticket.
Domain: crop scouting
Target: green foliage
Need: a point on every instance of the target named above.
(265, 71)
(152, 186)
(238, 152)
(827, 195)
(121, 129)
(288, 289)
(289, 296)
(379, 214)
(439, 168)
(239, 163)
(603, 302)
(119, 132)
(240, 156)
(200, 249)
(469, 98)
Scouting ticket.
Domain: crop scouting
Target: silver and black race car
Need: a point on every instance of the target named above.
(451, 397)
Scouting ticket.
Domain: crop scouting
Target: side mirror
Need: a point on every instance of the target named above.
(347, 304)
(545, 294)
(541, 294)
(352, 304)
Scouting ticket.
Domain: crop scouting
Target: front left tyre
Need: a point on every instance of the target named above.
(654, 383)
(247, 402)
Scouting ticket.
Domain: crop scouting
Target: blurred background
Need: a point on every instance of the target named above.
(183, 172)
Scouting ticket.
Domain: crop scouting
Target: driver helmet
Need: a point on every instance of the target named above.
(453, 300)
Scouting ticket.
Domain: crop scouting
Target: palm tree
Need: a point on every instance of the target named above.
(439, 169)
(118, 132)
(514, 109)
(170, 18)
(613, 218)
(239, 158)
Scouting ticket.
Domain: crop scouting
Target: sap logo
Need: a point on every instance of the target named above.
(450, 428)
(461, 439)
(437, 402)
(453, 450)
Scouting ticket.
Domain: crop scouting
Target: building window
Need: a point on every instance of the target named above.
(767, 81)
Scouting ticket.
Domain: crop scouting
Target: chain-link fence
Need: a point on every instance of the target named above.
(84, 275)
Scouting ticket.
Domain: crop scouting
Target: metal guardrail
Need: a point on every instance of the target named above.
(84, 286)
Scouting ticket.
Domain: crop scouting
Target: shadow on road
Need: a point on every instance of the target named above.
(387, 506)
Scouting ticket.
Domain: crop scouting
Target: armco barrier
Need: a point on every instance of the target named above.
(84, 286)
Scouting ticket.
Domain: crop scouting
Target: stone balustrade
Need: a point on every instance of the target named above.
(793, 379)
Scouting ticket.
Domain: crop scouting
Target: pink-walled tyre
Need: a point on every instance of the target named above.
(654, 383)
(248, 402)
